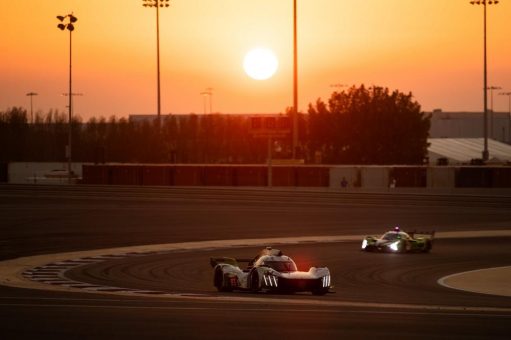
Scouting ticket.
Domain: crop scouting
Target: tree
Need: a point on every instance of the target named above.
(369, 126)
(13, 134)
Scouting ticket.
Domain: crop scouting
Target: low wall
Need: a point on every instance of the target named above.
(206, 175)
(336, 177)
(440, 177)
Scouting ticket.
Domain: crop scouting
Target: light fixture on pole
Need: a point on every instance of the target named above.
(486, 154)
(31, 94)
(508, 94)
(157, 4)
(208, 94)
(67, 22)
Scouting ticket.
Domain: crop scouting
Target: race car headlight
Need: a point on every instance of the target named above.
(364, 244)
(270, 281)
(326, 281)
(395, 246)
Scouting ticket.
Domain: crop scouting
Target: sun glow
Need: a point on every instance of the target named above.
(260, 63)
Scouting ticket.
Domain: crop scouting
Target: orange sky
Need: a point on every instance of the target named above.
(432, 48)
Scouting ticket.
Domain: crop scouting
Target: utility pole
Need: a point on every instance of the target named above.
(295, 82)
(157, 4)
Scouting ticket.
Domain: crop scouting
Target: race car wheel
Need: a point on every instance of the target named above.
(427, 246)
(218, 281)
(254, 281)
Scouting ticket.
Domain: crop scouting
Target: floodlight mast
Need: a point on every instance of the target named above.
(157, 4)
(295, 83)
(486, 154)
(69, 25)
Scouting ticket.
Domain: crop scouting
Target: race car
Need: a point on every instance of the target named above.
(398, 241)
(269, 271)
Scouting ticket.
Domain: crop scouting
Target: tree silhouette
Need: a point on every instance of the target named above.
(369, 126)
(357, 126)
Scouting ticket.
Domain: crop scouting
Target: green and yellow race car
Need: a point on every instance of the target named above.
(397, 241)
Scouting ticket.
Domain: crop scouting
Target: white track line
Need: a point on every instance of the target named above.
(492, 281)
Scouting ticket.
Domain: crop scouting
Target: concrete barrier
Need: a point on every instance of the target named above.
(358, 178)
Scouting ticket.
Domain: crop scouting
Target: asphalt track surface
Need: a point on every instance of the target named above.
(376, 295)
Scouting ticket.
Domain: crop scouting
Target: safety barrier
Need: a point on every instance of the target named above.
(299, 176)
(205, 175)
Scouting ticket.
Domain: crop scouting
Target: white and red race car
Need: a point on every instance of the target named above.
(269, 271)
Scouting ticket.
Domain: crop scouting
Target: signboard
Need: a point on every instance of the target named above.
(274, 126)
(270, 127)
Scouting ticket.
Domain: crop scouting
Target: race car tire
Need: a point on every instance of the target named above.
(254, 281)
(218, 281)
(369, 248)
(427, 247)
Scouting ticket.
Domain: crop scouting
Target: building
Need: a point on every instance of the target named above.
(466, 151)
(470, 125)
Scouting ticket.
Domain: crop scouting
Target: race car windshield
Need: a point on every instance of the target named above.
(281, 266)
(391, 236)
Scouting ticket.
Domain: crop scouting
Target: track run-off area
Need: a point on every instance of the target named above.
(106, 261)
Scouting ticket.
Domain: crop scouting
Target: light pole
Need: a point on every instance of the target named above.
(491, 88)
(69, 25)
(508, 94)
(486, 154)
(295, 82)
(157, 4)
(31, 94)
(208, 94)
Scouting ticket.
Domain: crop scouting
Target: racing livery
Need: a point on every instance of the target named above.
(269, 271)
(397, 241)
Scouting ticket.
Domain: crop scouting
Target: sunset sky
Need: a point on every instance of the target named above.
(433, 48)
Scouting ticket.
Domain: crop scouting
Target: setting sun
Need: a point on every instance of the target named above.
(260, 63)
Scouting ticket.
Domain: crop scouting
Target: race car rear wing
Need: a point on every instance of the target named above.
(227, 260)
(214, 261)
(423, 234)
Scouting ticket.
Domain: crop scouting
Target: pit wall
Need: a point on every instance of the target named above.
(363, 177)
(206, 175)
(356, 177)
